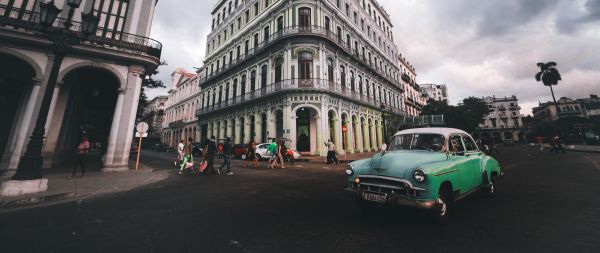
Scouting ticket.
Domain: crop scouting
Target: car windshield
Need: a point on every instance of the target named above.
(429, 142)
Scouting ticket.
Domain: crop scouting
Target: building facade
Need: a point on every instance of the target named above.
(183, 101)
(154, 115)
(438, 92)
(99, 80)
(304, 70)
(504, 122)
(591, 106)
(547, 112)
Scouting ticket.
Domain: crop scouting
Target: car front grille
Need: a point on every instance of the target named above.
(386, 186)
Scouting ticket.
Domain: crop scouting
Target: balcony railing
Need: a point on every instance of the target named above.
(295, 85)
(300, 30)
(29, 21)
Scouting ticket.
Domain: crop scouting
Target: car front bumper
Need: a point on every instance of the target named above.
(395, 199)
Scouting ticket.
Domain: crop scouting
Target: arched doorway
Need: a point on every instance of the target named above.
(91, 97)
(252, 121)
(279, 124)
(263, 128)
(16, 81)
(306, 129)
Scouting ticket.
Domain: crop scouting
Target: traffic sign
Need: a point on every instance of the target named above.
(142, 127)
(137, 134)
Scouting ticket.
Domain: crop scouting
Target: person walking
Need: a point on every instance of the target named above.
(227, 150)
(82, 150)
(540, 142)
(280, 152)
(251, 155)
(383, 147)
(331, 152)
(180, 147)
(210, 147)
(187, 156)
(558, 145)
(272, 150)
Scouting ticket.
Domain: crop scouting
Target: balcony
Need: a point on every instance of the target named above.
(176, 123)
(24, 20)
(501, 108)
(297, 85)
(514, 107)
(294, 31)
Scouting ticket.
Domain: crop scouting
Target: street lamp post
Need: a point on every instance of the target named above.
(30, 164)
(383, 122)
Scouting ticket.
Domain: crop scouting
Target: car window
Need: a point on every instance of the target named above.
(469, 143)
(456, 144)
(263, 146)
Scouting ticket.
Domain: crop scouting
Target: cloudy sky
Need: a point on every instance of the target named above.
(478, 48)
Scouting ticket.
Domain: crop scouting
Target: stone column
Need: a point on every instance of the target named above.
(247, 129)
(236, 129)
(258, 127)
(373, 137)
(379, 134)
(366, 139)
(358, 135)
(319, 134)
(289, 130)
(229, 128)
(119, 157)
(270, 125)
(112, 140)
(349, 136)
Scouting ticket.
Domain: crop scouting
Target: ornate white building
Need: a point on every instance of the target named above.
(180, 114)
(98, 84)
(155, 114)
(302, 70)
(504, 120)
(438, 92)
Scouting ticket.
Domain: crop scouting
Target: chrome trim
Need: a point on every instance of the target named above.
(445, 172)
(404, 181)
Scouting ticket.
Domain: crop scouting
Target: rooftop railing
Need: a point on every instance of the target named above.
(297, 85)
(22, 19)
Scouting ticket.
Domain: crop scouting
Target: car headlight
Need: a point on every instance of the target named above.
(349, 170)
(420, 175)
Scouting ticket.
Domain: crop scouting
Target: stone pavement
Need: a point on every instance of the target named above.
(95, 183)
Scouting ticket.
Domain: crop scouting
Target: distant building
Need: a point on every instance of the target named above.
(567, 107)
(438, 92)
(180, 112)
(504, 120)
(591, 107)
(154, 113)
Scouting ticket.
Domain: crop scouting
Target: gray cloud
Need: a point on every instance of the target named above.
(478, 48)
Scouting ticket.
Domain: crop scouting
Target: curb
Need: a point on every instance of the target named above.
(34, 201)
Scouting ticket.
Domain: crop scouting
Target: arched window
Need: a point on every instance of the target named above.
(348, 41)
(263, 76)
(360, 89)
(343, 76)
(243, 84)
(279, 24)
(226, 91)
(305, 60)
(255, 40)
(235, 85)
(219, 94)
(367, 88)
(327, 24)
(304, 17)
(266, 33)
(253, 80)
(278, 69)
(330, 70)
(352, 85)
(246, 47)
(339, 34)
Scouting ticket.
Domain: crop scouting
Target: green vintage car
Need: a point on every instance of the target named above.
(426, 168)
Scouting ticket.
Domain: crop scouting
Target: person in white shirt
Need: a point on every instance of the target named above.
(180, 148)
(383, 147)
(331, 152)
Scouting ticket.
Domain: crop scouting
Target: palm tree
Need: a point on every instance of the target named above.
(550, 76)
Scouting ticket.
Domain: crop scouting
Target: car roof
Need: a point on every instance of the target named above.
(446, 131)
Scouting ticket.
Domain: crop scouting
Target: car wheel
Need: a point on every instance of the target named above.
(440, 212)
(258, 157)
(365, 207)
(243, 157)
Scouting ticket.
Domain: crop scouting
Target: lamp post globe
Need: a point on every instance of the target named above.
(48, 13)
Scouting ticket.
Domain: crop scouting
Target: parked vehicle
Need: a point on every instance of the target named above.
(426, 168)
(240, 150)
(162, 147)
(261, 151)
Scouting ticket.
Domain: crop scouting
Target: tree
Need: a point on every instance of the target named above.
(466, 116)
(549, 76)
(148, 83)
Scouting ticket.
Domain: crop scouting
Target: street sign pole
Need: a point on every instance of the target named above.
(141, 128)
(137, 162)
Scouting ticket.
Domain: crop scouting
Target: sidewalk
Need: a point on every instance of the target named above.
(578, 148)
(95, 183)
(343, 159)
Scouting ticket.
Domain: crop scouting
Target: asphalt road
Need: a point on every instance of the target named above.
(546, 203)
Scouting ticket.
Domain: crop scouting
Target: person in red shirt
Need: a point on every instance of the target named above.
(82, 150)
